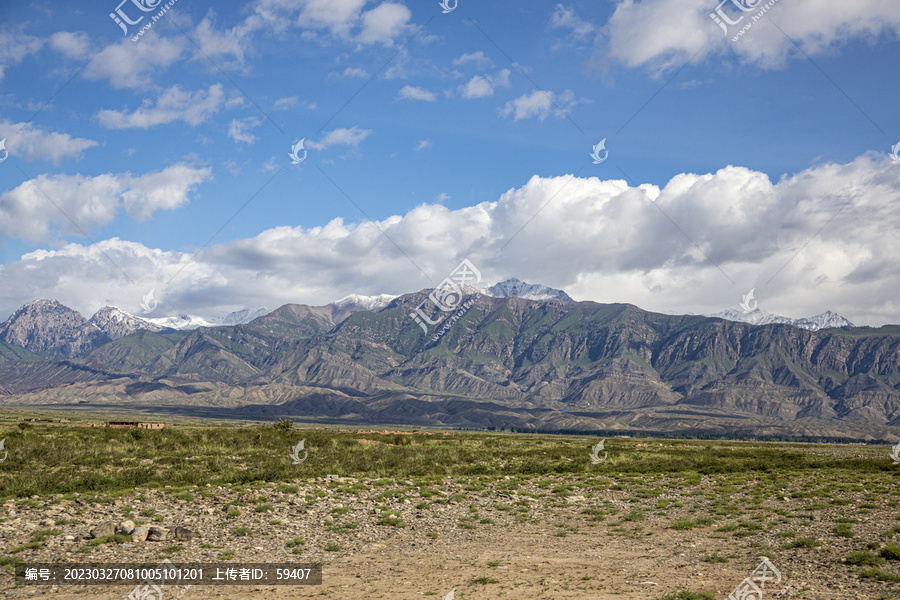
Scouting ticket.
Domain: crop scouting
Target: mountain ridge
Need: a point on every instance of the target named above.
(606, 364)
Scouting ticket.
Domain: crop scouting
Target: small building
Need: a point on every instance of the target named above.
(134, 425)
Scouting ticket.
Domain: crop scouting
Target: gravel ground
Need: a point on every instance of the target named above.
(378, 540)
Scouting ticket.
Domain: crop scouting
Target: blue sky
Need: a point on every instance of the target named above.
(432, 137)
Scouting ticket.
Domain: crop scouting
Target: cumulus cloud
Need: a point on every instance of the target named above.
(338, 16)
(423, 145)
(38, 209)
(71, 44)
(660, 34)
(483, 86)
(540, 104)
(171, 105)
(601, 240)
(384, 24)
(342, 136)
(29, 142)
(409, 92)
(129, 65)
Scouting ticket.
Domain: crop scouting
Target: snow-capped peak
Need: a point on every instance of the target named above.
(529, 291)
(117, 323)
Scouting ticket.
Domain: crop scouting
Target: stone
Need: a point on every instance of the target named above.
(157, 534)
(139, 534)
(103, 529)
(126, 526)
(183, 534)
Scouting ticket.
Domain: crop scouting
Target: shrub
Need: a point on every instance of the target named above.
(864, 557)
(283, 424)
(891, 551)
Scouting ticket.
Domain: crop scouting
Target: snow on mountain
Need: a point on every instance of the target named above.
(356, 303)
(760, 317)
(116, 323)
(188, 322)
(529, 291)
(825, 320)
(239, 317)
(180, 322)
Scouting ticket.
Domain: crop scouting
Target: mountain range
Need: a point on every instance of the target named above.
(502, 361)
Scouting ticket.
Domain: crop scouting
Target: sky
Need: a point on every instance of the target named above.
(672, 154)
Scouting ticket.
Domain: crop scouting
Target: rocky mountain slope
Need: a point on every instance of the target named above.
(48, 328)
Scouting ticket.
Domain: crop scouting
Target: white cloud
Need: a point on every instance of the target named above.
(29, 142)
(343, 20)
(239, 129)
(599, 240)
(37, 209)
(343, 136)
(127, 64)
(564, 17)
(661, 34)
(384, 23)
(540, 104)
(477, 59)
(338, 16)
(220, 45)
(483, 86)
(423, 145)
(286, 103)
(355, 72)
(14, 47)
(75, 45)
(409, 92)
(171, 105)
